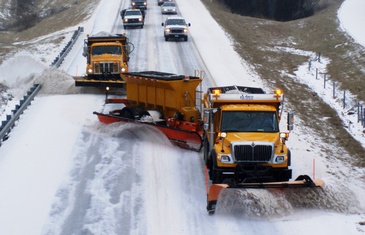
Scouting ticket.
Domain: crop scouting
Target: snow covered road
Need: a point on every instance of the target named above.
(62, 172)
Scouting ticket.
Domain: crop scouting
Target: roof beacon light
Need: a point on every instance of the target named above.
(216, 92)
(278, 93)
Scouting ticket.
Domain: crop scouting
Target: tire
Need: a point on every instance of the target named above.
(289, 158)
(127, 113)
(214, 175)
(133, 113)
(125, 27)
(166, 39)
(186, 38)
(207, 159)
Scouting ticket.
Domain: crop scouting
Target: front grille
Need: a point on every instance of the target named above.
(133, 21)
(177, 31)
(106, 68)
(252, 153)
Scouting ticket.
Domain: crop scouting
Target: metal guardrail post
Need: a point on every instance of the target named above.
(59, 59)
(7, 125)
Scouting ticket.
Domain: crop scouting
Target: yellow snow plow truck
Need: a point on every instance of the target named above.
(243, 146)
(107, 58)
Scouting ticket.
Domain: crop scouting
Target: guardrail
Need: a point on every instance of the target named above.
(9, 123)
(59, 59)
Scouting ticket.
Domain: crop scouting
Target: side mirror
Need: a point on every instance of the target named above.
(162, 24)
(206, 119)
(85, 52)
(290, 122)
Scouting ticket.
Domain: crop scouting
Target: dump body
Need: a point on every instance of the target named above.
(173, 95)
(106, 59)
(164, 100)
(243, 141)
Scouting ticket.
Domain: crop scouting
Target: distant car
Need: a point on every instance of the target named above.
(169, 8)
(122, 12)
(139, 4)
(160, 2)
(175, 27)
(133, 18)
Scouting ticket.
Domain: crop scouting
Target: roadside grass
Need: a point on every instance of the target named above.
(255, 40)
(70, 12)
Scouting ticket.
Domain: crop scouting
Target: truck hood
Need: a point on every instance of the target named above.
(252, 137)
(176, 27)
(132, 17)
(106, 58)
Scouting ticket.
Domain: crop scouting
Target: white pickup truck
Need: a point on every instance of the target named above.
(175, 28)
(132, 18)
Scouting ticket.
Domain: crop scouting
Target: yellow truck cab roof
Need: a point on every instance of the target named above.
(248, 107)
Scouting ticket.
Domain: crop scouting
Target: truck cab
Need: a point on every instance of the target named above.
(243, 142)
(107, 58)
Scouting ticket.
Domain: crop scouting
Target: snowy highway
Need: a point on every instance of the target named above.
(63, 172)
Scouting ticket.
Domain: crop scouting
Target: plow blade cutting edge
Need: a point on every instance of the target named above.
(87, 82)
(301, 181)
(182, 138)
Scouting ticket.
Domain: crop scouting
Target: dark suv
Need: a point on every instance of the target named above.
(160, 2)
(139, 4)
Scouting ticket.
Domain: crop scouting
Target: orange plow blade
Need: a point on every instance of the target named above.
(182, 138)
(301, 181)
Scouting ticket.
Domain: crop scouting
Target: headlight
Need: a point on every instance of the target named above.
(224, 158)
(90, 70)
(167, 30)
(123, 69)
(140, 19)
(185, 30)
(280, 159)
(126, 20)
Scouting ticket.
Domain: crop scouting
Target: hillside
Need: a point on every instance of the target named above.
(258, 41)
(266, 45)
(63, 172)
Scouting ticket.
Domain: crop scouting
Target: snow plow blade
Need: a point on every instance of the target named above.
(185, 139)
(302, 181)
(87, 82)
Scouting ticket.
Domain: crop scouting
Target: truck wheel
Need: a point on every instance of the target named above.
(186, 38)
(214, 175)
(133, 112)
(166, 39)
(127, 113)
(125, 27)
(207, 160)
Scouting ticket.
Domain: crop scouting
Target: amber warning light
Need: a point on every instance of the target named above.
(278, 93)
(216, 92)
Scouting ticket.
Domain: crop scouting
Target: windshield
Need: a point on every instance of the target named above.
(130, 13)
(99, 50)
(169, 4)
(175, 22)
(239, 121)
